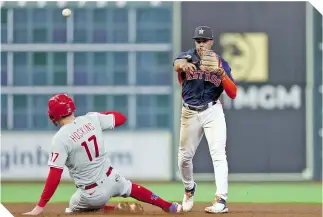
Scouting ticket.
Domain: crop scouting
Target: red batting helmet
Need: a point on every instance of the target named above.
(59, 106)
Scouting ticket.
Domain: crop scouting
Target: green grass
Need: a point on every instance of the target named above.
(238, 192)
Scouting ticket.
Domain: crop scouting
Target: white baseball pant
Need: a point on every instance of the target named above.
(210, 122)
(95, 198)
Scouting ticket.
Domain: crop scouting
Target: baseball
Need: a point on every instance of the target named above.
(66, 12)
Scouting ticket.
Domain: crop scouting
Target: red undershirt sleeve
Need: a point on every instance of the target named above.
(52, 182)
(118, 117)
(229, 87)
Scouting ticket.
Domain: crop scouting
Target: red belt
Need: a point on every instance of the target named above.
(108, 173)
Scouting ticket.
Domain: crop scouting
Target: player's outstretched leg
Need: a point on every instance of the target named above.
(143, 194)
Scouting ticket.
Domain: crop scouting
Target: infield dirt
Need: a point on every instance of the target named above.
(235, 210)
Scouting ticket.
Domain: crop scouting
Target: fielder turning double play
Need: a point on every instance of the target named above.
(203, 75)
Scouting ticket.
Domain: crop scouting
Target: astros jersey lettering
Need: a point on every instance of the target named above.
(200, 88)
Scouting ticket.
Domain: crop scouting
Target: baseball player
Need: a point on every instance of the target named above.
(80, 146)
(203, 76)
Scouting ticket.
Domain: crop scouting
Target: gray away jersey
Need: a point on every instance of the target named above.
(80, 146)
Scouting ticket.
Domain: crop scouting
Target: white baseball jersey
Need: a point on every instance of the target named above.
(80, 146)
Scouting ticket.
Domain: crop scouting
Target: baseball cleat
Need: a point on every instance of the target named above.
(219, 206)
(129, 208)
(188, 200)
(175, 208)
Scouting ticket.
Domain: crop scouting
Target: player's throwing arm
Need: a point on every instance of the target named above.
(203, 76)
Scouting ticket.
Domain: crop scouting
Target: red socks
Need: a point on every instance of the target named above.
(143, 194)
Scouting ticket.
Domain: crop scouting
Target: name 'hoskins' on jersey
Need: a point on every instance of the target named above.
(82, 131)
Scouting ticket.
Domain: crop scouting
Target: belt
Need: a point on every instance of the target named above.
(108, 173)
(199, 108)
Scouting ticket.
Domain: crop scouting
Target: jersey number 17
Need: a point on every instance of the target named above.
(93, 140)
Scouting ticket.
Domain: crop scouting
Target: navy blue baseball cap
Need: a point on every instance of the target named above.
(203, 32)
